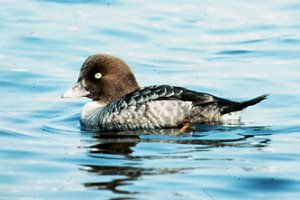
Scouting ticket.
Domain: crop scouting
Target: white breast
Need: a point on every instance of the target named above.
(90, 107)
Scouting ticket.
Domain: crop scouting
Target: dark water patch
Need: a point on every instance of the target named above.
(286, 129)
(235, 52)
(276, 40)
(231, 55)
(243, 187)
(288, 158)
(224, 59)
(253, 41)
(290, 41)
(272, 40)
(268, 184)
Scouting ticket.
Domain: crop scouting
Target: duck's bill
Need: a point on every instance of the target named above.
(76, 91)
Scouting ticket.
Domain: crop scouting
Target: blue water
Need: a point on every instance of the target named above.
(233, 49)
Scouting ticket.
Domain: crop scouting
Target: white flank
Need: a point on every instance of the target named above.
(231, 118)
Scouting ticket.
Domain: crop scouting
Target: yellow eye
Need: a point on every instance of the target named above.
(98, 75)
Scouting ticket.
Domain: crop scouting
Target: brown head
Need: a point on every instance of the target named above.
(103, 78)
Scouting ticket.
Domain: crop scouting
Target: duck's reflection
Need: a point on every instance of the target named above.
(120, 147)
(129, 173)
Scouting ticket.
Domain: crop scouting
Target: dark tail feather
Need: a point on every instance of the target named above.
(236, 106)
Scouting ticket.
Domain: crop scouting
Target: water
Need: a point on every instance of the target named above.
(232, 49)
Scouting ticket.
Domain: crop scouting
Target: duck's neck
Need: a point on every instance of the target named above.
(89, 107)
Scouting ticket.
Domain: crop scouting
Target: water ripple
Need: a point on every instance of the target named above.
(13, 133)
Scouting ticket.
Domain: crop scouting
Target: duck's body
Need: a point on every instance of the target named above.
(119, 104)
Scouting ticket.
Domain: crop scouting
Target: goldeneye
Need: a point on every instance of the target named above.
(119, 104)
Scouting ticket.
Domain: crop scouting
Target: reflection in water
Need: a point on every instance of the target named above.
(119, 148)
(130, 173)
(122, 146)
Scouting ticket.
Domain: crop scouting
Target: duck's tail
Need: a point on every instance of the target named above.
(236, 106)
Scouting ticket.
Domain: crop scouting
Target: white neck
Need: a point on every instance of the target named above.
(90, 106)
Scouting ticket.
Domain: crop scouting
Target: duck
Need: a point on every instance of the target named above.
(119, 104)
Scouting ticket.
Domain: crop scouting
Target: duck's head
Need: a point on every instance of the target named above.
(103, 78)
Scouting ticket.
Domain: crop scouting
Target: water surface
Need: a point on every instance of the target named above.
(232, 49)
